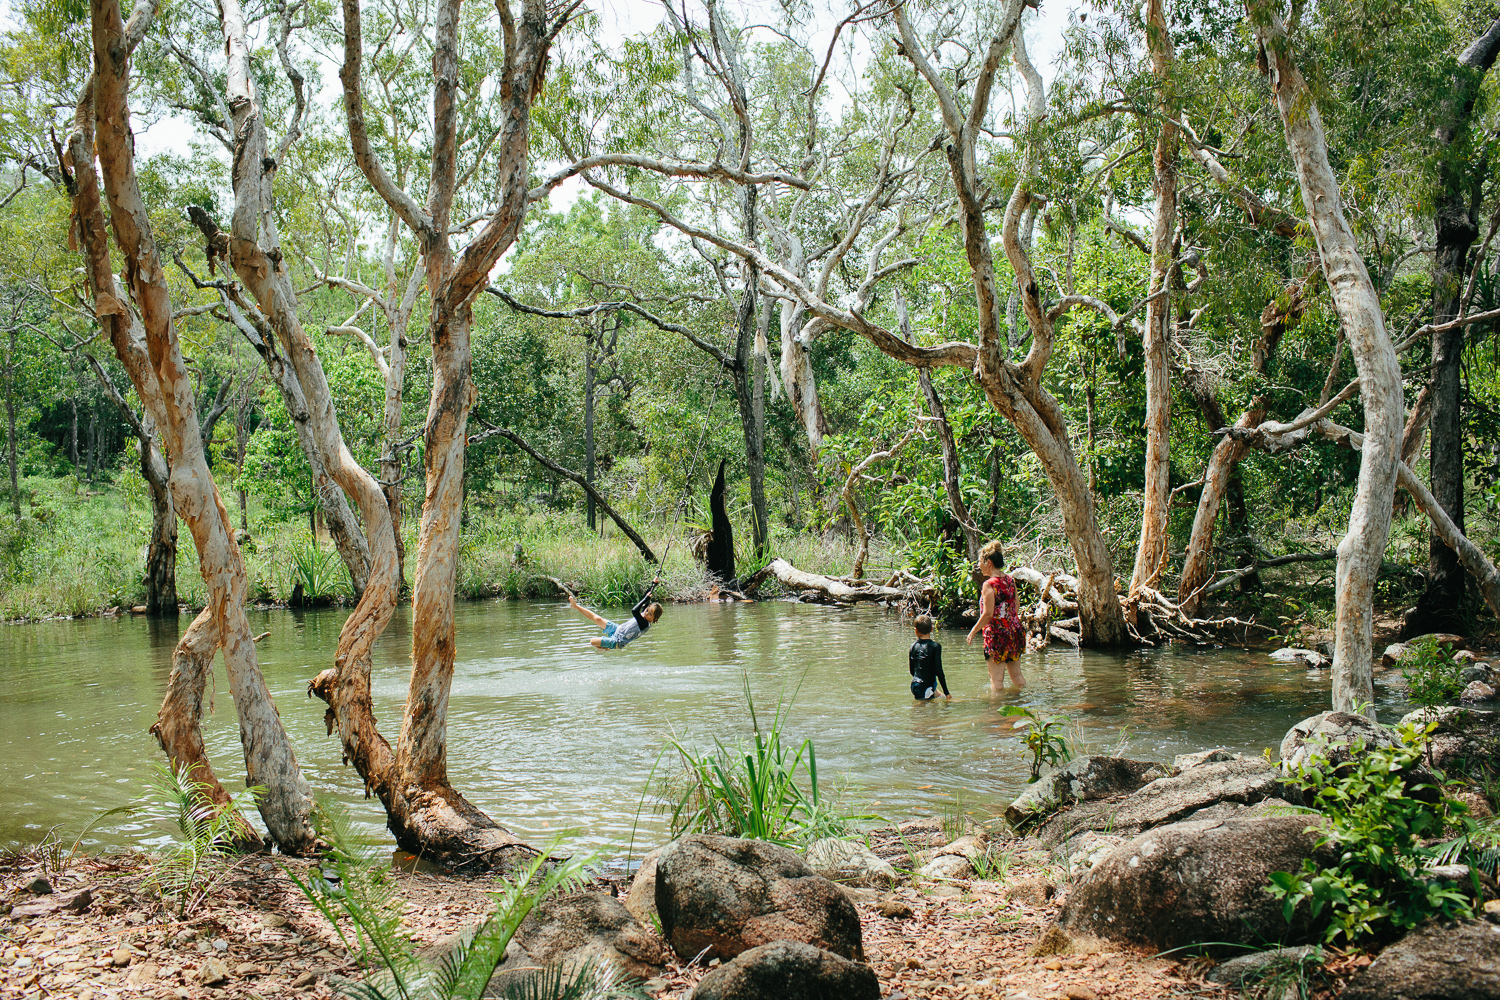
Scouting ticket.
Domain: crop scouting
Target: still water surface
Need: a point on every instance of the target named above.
(551, 737)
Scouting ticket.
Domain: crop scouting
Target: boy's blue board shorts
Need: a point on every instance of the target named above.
(609, 641)
(923, 690)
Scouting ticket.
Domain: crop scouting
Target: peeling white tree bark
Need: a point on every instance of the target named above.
(1379, 371)
(286, 806)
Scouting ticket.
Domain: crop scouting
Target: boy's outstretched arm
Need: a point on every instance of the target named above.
(596, 619)
(646, 598)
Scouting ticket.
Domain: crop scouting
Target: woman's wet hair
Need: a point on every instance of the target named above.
(993, 553)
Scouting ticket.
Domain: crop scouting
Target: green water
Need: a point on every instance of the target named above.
(551, 737)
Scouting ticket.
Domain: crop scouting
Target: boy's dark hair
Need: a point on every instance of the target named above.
(655, 610)
(923, 624)
(994, 552)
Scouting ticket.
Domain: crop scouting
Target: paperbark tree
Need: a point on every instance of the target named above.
(1016, 390)
(1462, 173)
(1151, 552)
(1363, 323)
(425, 812)
(164, 385)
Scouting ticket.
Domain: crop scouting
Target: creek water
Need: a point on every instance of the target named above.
(555, 739)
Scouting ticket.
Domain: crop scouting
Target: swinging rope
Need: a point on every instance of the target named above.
(697, 453)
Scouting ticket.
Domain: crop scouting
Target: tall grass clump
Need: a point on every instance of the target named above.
(72, 552)
(765, 789)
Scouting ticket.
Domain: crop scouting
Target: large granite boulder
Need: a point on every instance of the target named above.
(640, 900)
(1334, 736)
(1244, 780)
(1459, 961)
(788, 970)
(1195, 882)
(1083, 779)
(850, 862)
(723, 896)
(580, 926)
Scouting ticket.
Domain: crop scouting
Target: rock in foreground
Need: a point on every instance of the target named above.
(850, 862)
(728, 895)
(590, 925)
(1332, 735)
(1083, 779)
(1243, 781)
(1436, 962)
(787, 970)
(1203, 881)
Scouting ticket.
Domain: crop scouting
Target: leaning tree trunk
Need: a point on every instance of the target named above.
(1016, 390)
(1218, 476)
(165, 385)
(177, 728)
(1151, 552)
(1359, 311)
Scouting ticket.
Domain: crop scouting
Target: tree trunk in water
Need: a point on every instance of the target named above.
(1359, 311)
(161, 554)
(1444, 606)
(177, 728)
(1151, 552)
(1016, 390)
(165, 384)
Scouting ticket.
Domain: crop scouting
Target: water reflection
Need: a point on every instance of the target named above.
(551, 736)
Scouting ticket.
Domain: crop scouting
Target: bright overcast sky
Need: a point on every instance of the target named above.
(623, 18)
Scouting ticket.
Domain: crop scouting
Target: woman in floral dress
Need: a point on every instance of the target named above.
(999, 620)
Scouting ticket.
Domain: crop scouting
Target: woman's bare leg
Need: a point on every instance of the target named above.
(1014, 669)
(997, 674)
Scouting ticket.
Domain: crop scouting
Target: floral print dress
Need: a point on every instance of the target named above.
(1004, 636)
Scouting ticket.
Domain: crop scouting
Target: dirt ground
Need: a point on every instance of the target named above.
(256, 936)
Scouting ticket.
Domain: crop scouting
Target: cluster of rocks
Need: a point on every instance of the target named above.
(1164, 858)
(759, 913)
(1480, 678)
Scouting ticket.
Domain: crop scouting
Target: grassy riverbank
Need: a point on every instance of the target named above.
(78, 551)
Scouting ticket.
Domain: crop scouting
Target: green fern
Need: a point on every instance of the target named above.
(588, 981)
(191, 866)
(354, 890)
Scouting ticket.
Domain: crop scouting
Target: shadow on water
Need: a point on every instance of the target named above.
(554, 738)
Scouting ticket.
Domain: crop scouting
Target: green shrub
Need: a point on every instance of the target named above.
(353, 888)
(1382, 829)
(1043, 738)
(1432, 676)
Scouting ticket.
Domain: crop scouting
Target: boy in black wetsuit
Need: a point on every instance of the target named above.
(645, 612)
(926, 663)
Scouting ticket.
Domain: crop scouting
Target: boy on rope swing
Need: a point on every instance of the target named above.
(645, 612)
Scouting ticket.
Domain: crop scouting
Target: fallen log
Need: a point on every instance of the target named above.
(834, 590)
